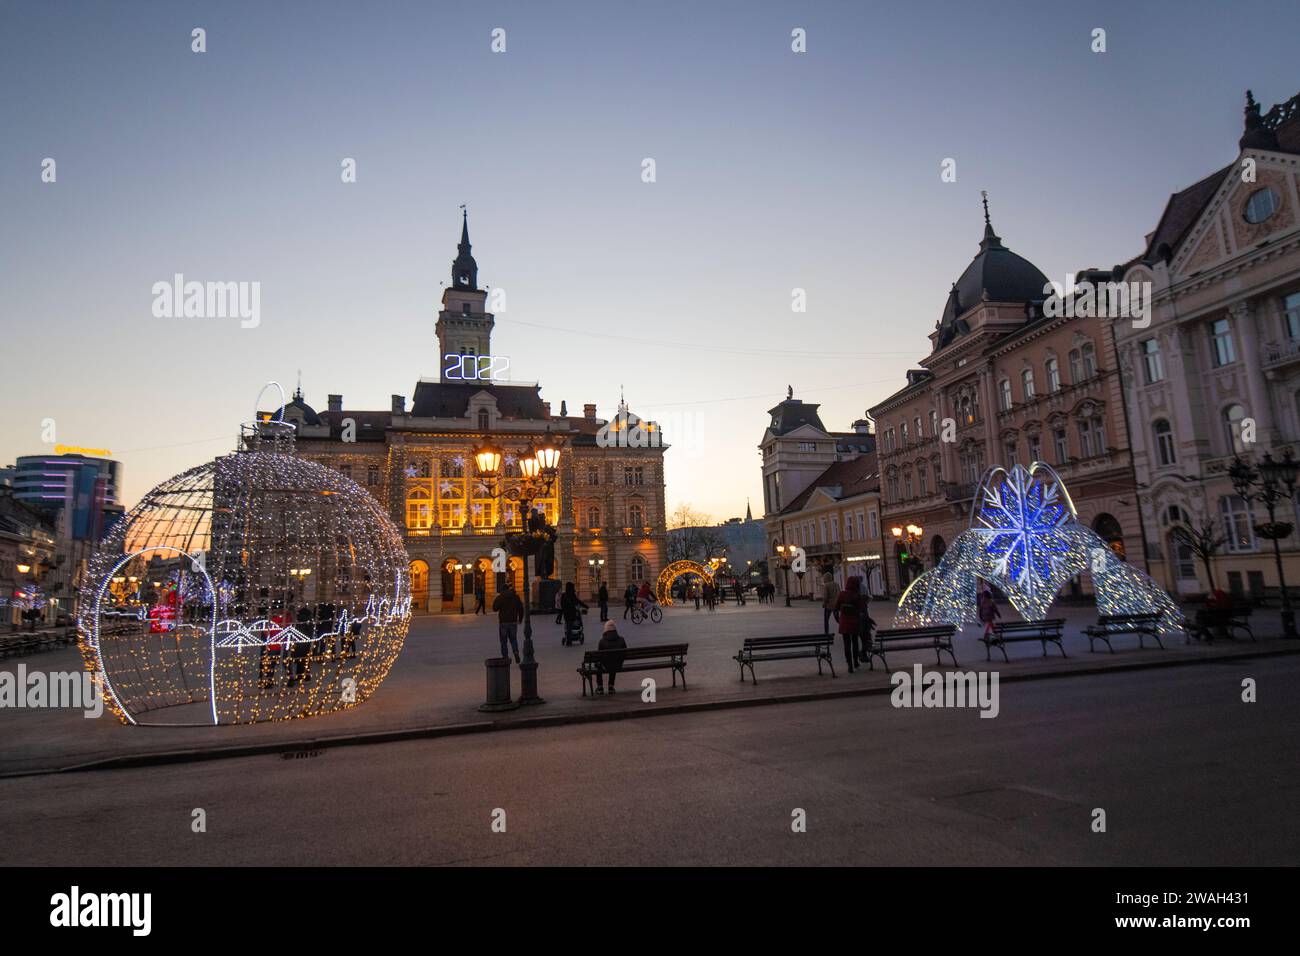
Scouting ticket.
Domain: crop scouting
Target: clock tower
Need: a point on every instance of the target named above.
(464, 325)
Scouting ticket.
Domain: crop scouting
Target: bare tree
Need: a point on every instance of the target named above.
(687, 532)
(1205, 541)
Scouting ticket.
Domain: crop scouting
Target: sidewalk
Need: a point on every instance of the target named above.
(439, 681)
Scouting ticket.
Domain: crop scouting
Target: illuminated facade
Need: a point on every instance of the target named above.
(607, 505)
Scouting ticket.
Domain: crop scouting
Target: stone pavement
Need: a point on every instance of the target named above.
(439, 681)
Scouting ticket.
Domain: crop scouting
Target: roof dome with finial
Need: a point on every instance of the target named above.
(996, 274)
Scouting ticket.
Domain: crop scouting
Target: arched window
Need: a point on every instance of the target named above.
(419, 510)
(593, 517)
(1053, 375)
(1076, 367)
(1089, 360)
(1004, 393)
(635, 516)
(1027, 384)
(922, 479)
(1164, 435)
(638, 568)
(1232, 419)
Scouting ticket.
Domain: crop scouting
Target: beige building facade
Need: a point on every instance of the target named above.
(1006, 382)
(1216, 373)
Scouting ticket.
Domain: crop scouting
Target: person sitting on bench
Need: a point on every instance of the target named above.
(610, 640)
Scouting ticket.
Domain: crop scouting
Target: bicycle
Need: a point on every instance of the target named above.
(639, 614)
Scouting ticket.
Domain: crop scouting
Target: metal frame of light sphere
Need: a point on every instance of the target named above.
(273, 588)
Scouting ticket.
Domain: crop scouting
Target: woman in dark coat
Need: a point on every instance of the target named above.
(851, 615)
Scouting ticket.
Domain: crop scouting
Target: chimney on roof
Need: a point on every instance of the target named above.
(564, 409)
(589, 411)
(399, 405)
(546, 409)
(336, 403)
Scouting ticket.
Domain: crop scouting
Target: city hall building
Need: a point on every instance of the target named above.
(417, 459)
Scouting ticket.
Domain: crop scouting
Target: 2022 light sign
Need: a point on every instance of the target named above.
(476, 368)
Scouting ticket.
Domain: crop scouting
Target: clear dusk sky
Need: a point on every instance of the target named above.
(775, 170)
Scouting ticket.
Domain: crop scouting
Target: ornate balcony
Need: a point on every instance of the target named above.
(1277, 354)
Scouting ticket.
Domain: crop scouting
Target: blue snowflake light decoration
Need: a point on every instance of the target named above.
(1020, 521)
(1024, 538)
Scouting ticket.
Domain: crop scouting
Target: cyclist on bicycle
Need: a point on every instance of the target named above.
(645, 597)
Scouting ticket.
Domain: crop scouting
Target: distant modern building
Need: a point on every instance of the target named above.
(83, 486)
(1216, 371)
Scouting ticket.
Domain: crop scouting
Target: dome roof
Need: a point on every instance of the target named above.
(995, 270)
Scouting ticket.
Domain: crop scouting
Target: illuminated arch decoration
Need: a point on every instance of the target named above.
(271, 587)
(1024, 537)
(664, 586)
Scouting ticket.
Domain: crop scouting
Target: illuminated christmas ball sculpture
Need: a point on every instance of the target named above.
(260, 586)
(1025, 539)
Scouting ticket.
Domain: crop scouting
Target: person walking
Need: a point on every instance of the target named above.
(509, 610)
(629, 600)
(986, 608)
(695, 593)
(830, 598)
(559, 605)
(569, 604)
(602, 598)
(480, 596)
(849, 604)
(610, 640)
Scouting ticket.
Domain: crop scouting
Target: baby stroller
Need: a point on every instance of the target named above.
(573, 633)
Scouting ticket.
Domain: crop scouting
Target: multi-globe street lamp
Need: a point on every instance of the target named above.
(910, 537)
(538, 469)
(1270, 482)
(783, 562)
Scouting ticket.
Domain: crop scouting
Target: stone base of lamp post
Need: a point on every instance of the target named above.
(528, 685)
(498, 685)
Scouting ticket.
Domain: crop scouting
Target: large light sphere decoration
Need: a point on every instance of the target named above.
(259, 586)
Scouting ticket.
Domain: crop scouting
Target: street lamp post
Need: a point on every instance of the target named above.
(460, 577)
(1271, 482)
(538, 469)
(783, 562)
(910, 536)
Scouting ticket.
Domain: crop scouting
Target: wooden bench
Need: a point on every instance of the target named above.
(937, 638)
(784, 648)
(1009, 632)
(645, 658)
(1107, 626)
(1227, 620)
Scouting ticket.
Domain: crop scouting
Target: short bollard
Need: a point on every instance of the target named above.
(498, 685)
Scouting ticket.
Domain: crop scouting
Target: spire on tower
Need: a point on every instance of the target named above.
(464, 271)
(990, 237)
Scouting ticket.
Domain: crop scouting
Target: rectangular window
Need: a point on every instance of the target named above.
(451, 514)
(345, 470)
(1085, 439)
(917, 422)
(1291, 312)
(1152, 366)
(1225, 351)
(1011, 454)
(1053, 375)
(907, 484)
(902, 434)
(934, 423)
(924, 481)
(1005, 394)
(807, 446)
(372, 475)
(1061, 445)
(1237, 523)
(593, 476)
(873, 524)
(1027, 384)
(1035, 448)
